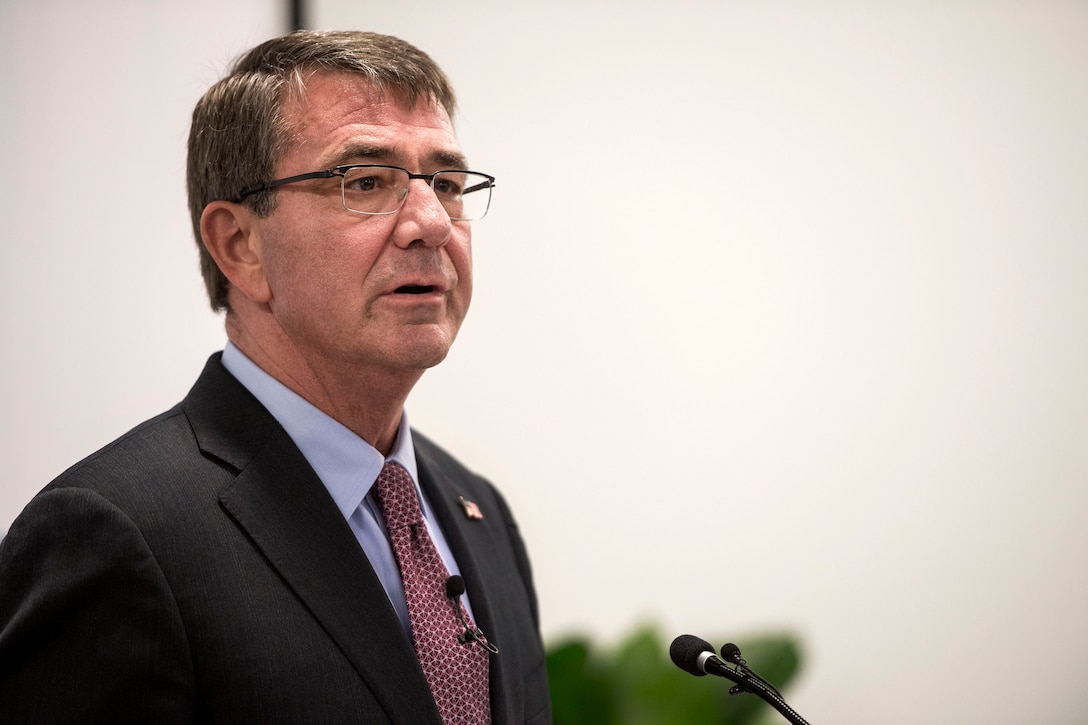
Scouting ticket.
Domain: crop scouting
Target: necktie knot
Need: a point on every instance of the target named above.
(397, 497)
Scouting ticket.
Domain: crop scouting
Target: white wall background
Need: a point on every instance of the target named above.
(781, 316)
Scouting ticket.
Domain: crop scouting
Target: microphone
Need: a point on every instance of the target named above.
(731, 653)
(455, 587)
(695, 655)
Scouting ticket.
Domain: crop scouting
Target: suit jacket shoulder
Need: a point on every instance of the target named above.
(197, 569)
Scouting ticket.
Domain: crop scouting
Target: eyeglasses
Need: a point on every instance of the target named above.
(377, 189)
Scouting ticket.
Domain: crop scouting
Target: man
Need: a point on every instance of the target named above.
(251, 555)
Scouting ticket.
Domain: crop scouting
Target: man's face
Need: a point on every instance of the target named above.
(355, 291)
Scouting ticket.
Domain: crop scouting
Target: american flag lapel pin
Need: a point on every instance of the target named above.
(472, 511)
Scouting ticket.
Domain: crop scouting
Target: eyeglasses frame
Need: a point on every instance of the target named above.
(342, 171)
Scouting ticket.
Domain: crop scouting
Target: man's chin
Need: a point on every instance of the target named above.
(423, 346)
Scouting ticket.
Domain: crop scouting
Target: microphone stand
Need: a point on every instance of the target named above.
(745, 682)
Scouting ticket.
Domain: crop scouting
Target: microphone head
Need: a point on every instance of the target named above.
(455, 586)
(685, 651)
(731, 653)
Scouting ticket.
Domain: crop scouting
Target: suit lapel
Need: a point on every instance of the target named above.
(461, 534)
(286, 511)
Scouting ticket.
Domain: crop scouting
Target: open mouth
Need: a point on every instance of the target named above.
(414, 289)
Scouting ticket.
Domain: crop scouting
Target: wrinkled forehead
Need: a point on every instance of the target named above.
(308, 91)
(335, 117)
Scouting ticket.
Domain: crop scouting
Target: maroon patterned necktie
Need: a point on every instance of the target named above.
(456, 672)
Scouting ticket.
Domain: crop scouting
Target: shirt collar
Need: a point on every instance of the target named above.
(345, 463)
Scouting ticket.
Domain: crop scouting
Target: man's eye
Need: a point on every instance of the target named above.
(364, 183)
(447, 186)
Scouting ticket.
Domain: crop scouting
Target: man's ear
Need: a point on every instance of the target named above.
(230, 236)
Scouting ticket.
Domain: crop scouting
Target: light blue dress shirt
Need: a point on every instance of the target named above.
(348, 466)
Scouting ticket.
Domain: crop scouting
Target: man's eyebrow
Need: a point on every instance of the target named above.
(356, 153)
(386, 155)
(449, 160)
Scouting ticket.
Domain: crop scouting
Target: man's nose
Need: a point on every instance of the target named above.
(422, 217)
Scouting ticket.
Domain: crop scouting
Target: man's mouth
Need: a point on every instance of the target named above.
(414, 289)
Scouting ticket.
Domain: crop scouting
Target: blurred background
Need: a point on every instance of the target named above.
(781, 314)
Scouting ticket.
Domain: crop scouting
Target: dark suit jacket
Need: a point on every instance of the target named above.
(196, 569)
